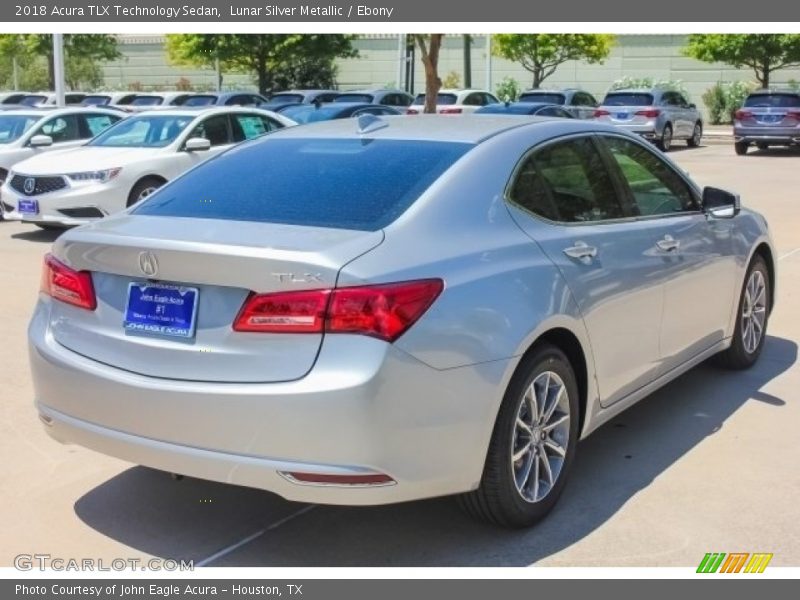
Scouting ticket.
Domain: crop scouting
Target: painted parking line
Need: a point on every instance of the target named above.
(253, 536)
(795, 251)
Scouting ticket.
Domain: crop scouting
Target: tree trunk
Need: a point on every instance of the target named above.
(537, 77)
(430, 60)
(263, 77)
(766, 71)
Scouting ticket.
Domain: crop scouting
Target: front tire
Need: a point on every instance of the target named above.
(143, 189)
(697, 136)
(752, 316)
(665, 142)
(533, 443)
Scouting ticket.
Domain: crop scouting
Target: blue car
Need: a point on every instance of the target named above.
(311, 113)
(225, 99)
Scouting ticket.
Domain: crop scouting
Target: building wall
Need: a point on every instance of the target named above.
(659, 56)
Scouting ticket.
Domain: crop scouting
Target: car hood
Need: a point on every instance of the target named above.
(84, 158)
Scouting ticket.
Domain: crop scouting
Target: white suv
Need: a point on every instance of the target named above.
(454, 102)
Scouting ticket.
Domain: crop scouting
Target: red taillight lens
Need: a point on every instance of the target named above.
(599, 112)
(650, 113)
(742, 114)
(383, 311)
(327, 479)
(793, 114)
(67, 285)
(290, 312)
(412, 111)
(450, 111)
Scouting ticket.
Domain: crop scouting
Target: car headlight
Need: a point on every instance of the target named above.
(98, 176)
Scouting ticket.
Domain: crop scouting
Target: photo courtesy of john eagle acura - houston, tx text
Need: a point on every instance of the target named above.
(379, 309)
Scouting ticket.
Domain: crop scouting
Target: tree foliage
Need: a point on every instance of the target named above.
(275, 60)
(543, 53)
(764, 53)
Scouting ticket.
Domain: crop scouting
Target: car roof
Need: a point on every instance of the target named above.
(766, 92)
(444, 128)
(199, 111)
(651, 91)
(67, 110)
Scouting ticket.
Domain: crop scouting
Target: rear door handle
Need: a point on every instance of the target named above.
(581, 250)
(668, 244)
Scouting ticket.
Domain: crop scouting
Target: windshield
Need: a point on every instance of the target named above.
(147, 101)
(628, 100)
(440, 99)
(281, 98)
(774, 100)
(96, 100)
(308, 113)
(200, 101)
(365, 98)
(13, 126)
(343, 183)
(543, 97)
(154, 131)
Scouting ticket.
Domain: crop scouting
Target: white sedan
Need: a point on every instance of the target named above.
(454, 102)
(126, 163)
(28, 132)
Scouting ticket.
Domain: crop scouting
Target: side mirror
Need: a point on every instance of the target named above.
(721, 204)
(197, 144)
(692, 105)
(41, 141)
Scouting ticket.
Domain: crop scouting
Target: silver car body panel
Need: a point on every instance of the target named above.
(420, 409)
(682, 118)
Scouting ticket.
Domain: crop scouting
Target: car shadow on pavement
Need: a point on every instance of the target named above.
(192, 519)
(45, 236)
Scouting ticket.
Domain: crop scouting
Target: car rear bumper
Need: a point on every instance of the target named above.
(767, 134)
(381, 413)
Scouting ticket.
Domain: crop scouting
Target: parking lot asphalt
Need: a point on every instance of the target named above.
(707, 464)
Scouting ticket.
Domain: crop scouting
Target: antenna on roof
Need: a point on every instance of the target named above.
(369, 123)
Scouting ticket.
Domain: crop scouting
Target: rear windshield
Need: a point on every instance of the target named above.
(543, 97)
(362, 184)
(32, 100)
(96, 100)
(773, 100)
(281, 98)
(440, 99)
(147, 101)
(365, 98)
(200, 101)
(628, 100)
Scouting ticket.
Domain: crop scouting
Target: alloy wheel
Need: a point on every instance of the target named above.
(754, 311)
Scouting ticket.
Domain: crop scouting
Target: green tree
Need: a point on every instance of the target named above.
(543, 53)
(285, 60)
(429, 45)
(79, 49)
(764, 53)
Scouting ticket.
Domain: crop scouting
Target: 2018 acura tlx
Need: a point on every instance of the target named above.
(384, 309)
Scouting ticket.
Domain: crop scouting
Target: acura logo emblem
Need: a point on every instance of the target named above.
(29, 186)
(148, 263)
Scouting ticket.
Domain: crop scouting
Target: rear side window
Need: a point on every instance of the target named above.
(773, 100)
(440, 99)
(628, 100)
(365, 98)
(568, 182)
(362, 184)
(98, 123)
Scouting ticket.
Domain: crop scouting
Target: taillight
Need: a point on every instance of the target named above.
(383, 311)
(743, 114)
(599, 112)
(793, 114)
(67, 285)
(650, 113)
(450, 111)
(412, 111)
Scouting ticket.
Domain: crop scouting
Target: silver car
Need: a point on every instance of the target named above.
(768, 118)
(384, 309)
(658, 115)
(579, 103)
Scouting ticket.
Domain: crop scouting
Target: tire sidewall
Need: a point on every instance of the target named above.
(738, 344)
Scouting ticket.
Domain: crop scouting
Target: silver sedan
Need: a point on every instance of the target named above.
(384, 309)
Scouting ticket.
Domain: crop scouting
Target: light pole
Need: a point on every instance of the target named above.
(58, 67)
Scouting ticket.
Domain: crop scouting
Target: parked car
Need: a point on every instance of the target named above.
(49, 99)
(767, 118)
(108, 98)
(225, 99)
(12, 97)
(126, 163)
(386, 97)
(579, 103)
(311, 113)
(427, 306)
(152, 100)
(454, 102)
(300, 97)
(26, 132)
(538, 109)
(658, 115)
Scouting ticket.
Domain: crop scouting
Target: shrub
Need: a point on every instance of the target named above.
(724, 99)
(649, 82)
(451, 80)
(508, 90)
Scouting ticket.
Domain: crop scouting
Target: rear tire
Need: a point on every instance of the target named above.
(741, 148)
(143, 188)
(697, 136)
(521, 492)
(752, 317)
(665, 142)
